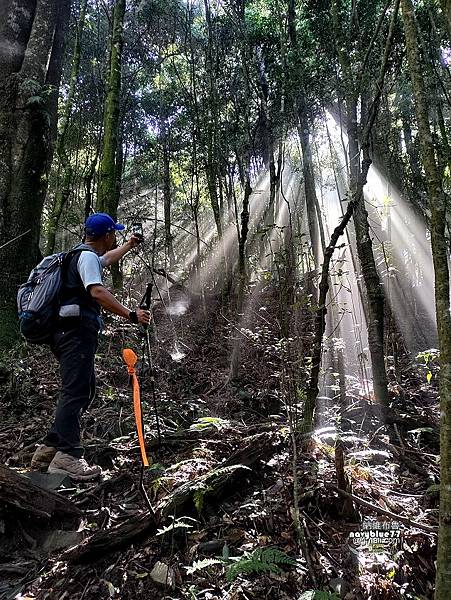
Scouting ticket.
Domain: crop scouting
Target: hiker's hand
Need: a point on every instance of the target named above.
(135, 240)
(144, 316)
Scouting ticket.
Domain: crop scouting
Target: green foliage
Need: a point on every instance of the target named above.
(210, 423)
(35, 101)
(30, 87)
(430, 358)
(262, 560)
(198, 498)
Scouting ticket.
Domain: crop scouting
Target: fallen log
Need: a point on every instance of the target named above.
(185, 437)
(20, 493)
(219, 482)
(257, 447)
(110, 540)
(189, 496)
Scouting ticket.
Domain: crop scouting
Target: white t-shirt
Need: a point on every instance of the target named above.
(90, 268)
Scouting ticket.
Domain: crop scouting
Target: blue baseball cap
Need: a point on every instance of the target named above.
(99, 224)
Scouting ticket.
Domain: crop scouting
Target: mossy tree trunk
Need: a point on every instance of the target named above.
(31, 53)
(107, 197)
(437, 204)
(63, 190)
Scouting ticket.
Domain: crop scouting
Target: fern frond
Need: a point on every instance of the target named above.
(274, 555)
(246, 567)
(262, 560)
(202, 564)
(177, 524)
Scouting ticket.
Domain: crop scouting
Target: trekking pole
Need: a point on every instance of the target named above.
(145, 304)
(130, 360)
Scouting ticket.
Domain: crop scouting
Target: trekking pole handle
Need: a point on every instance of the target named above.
(146, 300)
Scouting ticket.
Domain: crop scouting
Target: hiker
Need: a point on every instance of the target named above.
(74, 343)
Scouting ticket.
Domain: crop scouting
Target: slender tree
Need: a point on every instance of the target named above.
(304, 131)
(167, 194)
(107, 194)
(211, 131)
(243, 160)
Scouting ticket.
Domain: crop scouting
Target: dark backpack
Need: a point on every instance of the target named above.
(38, 299)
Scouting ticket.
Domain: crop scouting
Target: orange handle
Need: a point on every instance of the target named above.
(130, 360)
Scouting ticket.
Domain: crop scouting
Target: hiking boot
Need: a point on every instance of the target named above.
(76, 468)
(42, 457)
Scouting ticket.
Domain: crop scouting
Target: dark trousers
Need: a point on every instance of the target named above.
(74, 344)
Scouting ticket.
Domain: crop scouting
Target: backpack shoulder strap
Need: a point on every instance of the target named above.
(69, 255)
(76, 250)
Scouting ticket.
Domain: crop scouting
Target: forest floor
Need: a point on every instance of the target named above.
(222, 480)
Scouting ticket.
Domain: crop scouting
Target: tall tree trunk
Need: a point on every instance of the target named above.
(437, 204)
(412, 152)
(107, 199)
(311, 200)
(373, 286)
(267, 133)
(88, 177)
(167, 191)
(243, 161)
(212, 118)
(30, 71)
(63, 190)
(195, 137)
